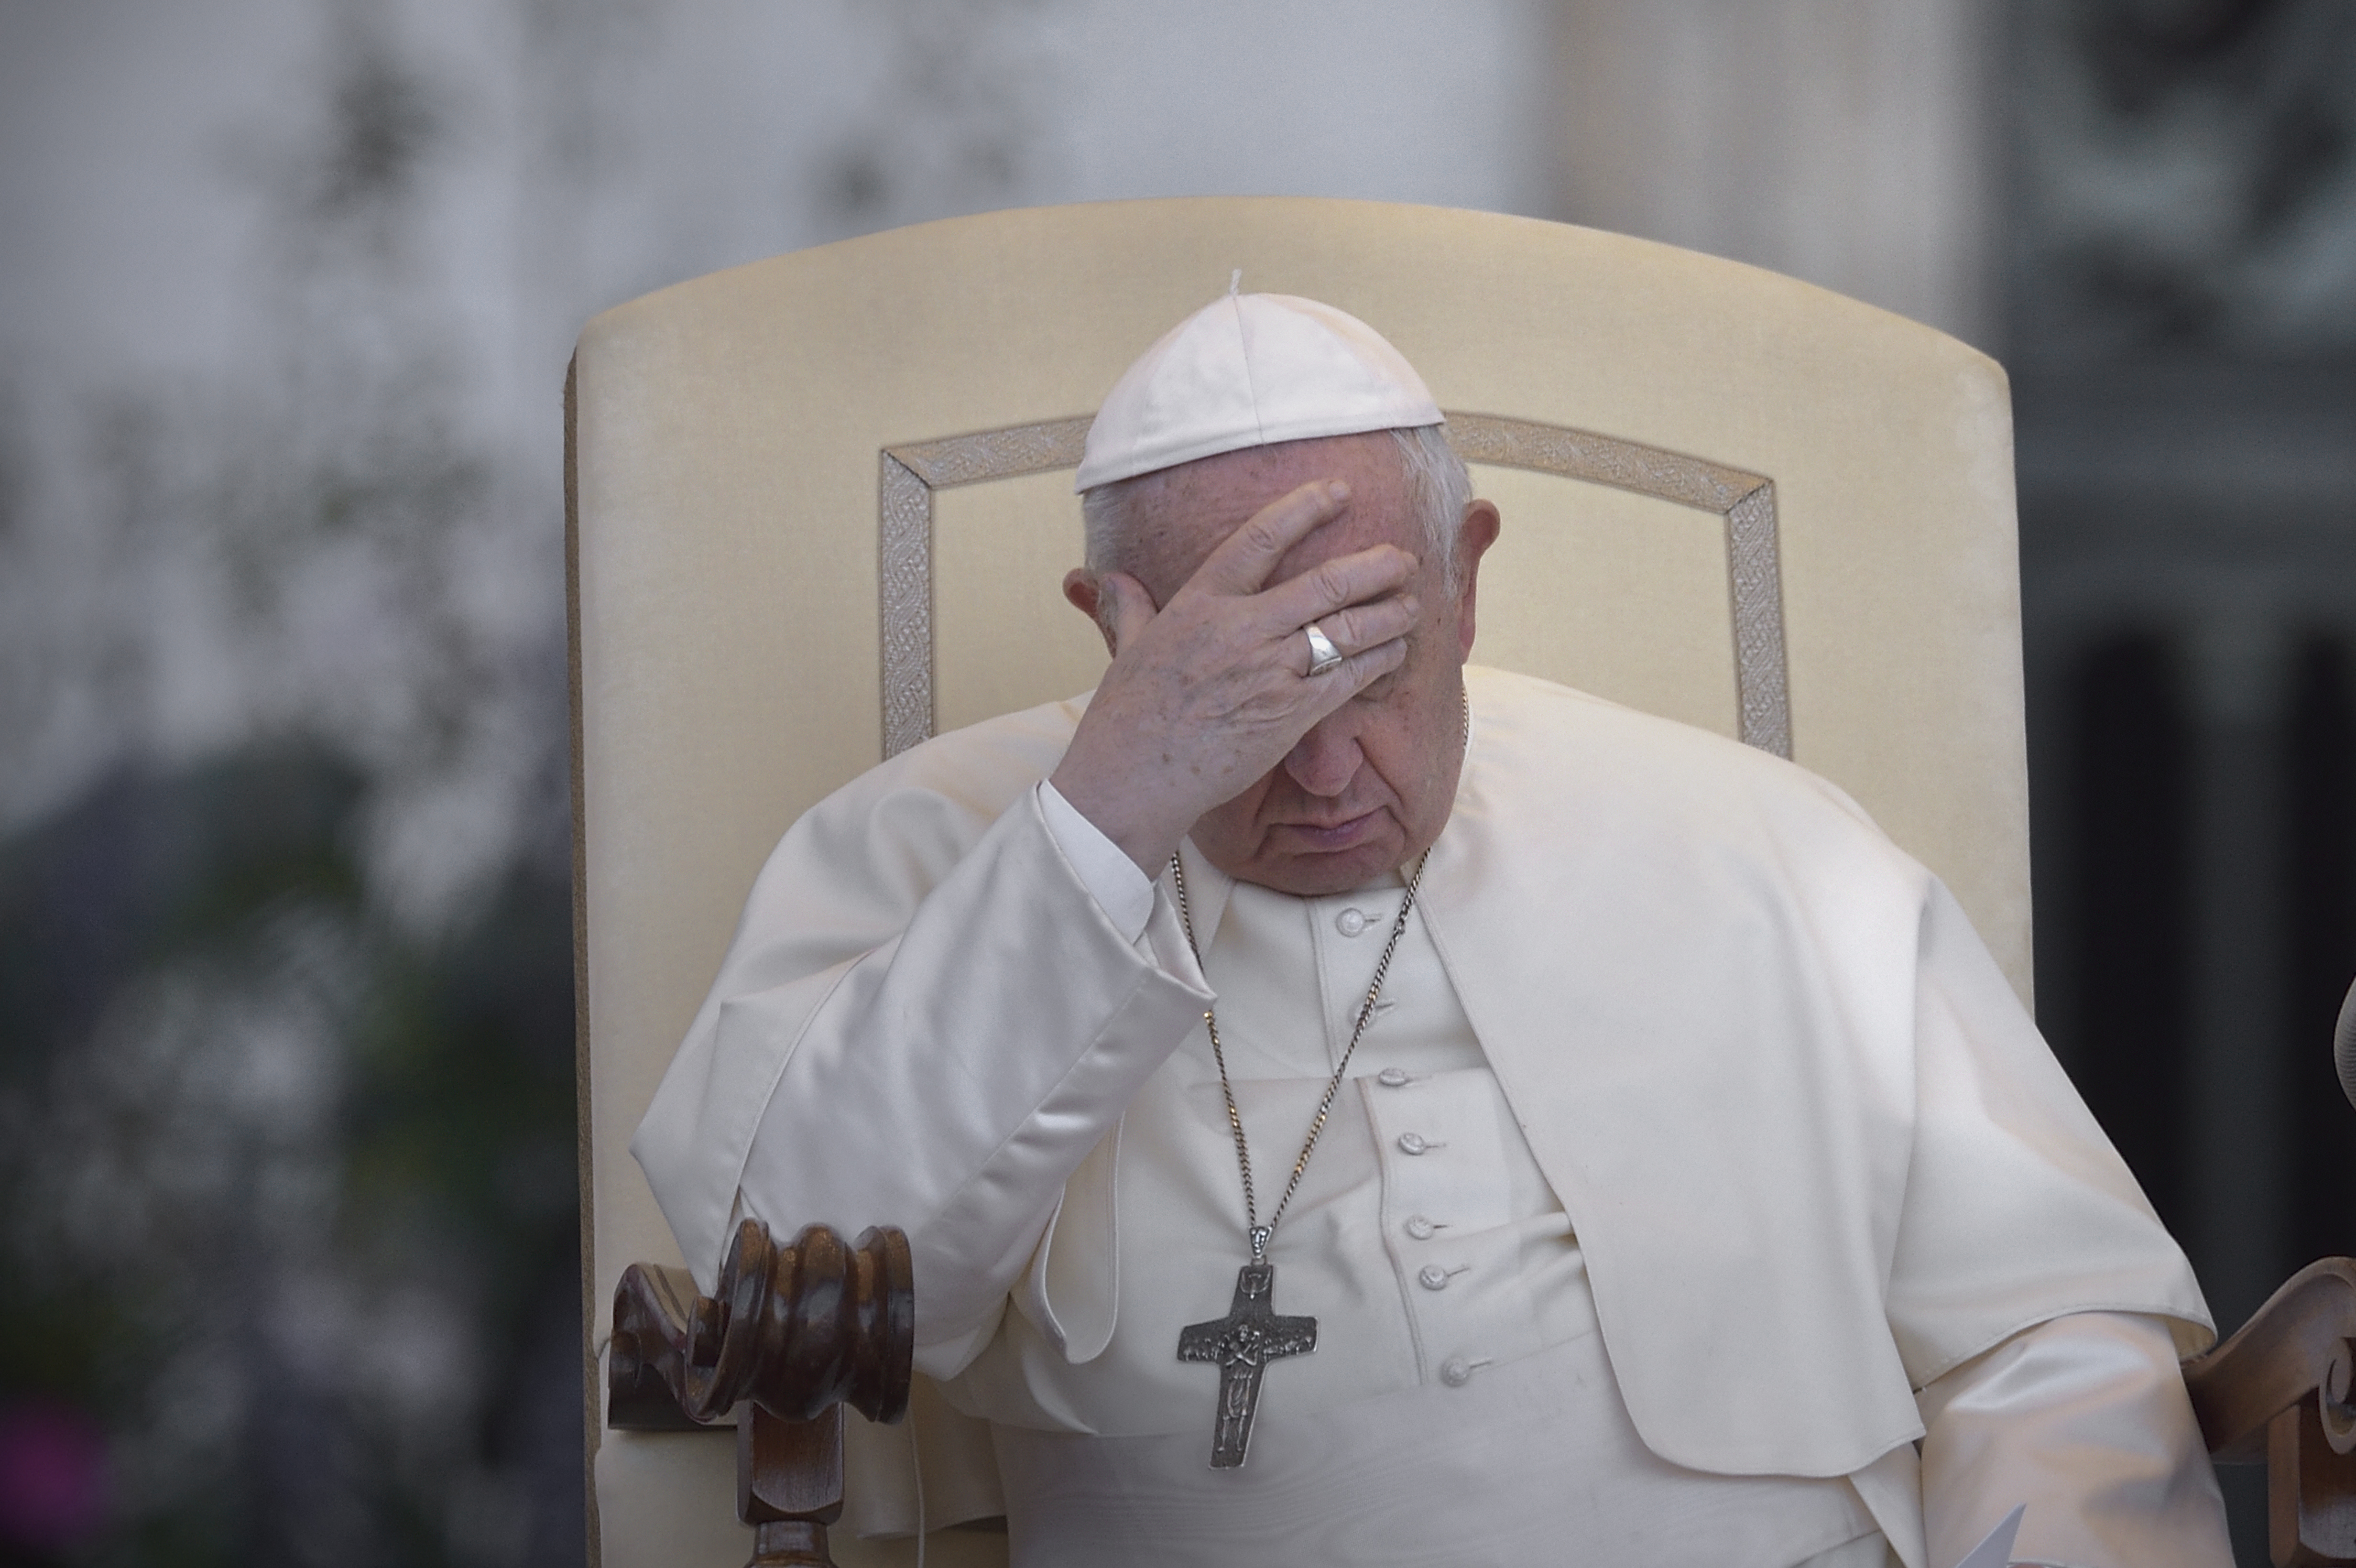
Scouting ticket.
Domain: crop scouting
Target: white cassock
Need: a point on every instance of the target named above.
(1700, 1157)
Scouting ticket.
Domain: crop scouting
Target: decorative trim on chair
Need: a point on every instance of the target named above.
(911, 473)
(1747, 502)
(905, 554)
(1754, 571)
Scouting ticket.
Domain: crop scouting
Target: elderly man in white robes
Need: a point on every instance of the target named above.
(1348, 1106)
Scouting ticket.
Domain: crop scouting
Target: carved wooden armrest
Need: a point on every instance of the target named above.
(2278, 1390)
(792, 1334)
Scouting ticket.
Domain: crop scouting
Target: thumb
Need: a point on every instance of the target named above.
(1123, 608)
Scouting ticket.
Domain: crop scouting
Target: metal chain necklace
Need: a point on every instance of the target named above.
(1251, 1334)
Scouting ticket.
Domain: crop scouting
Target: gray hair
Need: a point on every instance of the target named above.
(1438, 485)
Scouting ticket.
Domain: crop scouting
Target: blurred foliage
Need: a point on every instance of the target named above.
(288, 1226)
(287, 1190)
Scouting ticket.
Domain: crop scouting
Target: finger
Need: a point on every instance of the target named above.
(1242, 562)
(1361, 670)
(1123, 608)
(1328, 586)
(1365, 626)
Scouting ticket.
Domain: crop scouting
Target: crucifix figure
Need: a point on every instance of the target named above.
(1249, 1336)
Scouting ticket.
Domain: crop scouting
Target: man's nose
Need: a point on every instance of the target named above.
(1325, 760)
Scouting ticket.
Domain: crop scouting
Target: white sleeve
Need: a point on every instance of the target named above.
(947, 1079)
(2085, 1419)
(1112, 879)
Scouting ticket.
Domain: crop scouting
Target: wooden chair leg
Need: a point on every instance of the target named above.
(2310, 1493)
(788, 1486)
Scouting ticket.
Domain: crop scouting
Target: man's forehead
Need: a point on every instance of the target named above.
(1198, 504)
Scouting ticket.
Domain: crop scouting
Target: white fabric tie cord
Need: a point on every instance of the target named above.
(1995, 1552)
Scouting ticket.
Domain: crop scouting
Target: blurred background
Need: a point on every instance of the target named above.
(288, 1245)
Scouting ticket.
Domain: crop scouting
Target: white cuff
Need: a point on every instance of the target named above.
(2087, 1417)
(1112, 879)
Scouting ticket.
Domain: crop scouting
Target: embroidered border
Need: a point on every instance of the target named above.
(910, 473)
(1747, 502)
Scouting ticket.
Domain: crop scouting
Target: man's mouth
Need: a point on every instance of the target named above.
(1345, 834)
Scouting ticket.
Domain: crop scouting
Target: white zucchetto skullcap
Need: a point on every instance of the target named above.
(1251, 370)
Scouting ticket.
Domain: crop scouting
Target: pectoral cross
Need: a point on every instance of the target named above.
(1243, 1342)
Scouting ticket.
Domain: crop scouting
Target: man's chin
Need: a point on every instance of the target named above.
(1312, 873)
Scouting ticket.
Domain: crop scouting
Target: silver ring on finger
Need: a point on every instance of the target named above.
(1322, 655)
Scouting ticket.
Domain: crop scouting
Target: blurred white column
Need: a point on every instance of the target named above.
(1851, 143)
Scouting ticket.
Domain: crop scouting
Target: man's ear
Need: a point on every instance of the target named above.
(1474, 535)
(1086, 595)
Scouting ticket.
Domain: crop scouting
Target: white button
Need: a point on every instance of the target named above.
(1392, 1078)
(1350, 921)
(1420, 1228)
(1431, 1276)
(1412, 1142)
(1455, 1371)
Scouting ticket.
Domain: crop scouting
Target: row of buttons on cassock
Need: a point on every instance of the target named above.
(1455, 1371)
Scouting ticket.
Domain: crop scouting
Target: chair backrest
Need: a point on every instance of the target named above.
(819, 507)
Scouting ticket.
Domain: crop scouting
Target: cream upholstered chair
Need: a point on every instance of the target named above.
(820, 506)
